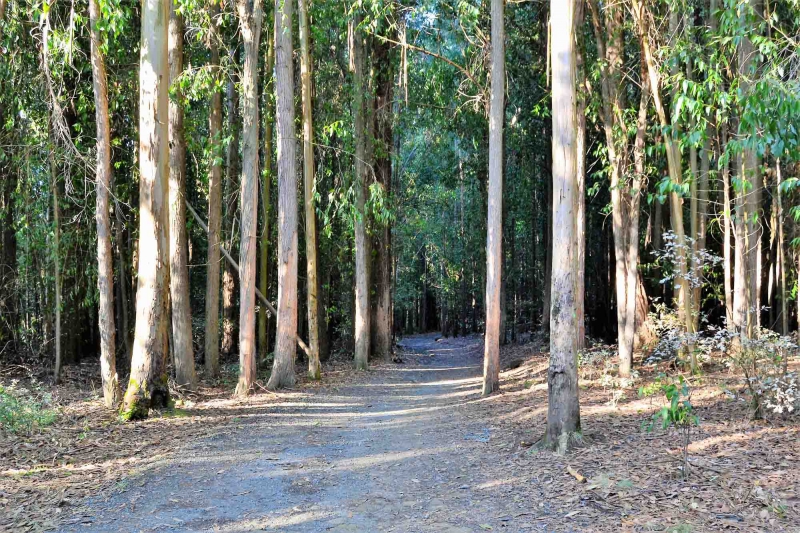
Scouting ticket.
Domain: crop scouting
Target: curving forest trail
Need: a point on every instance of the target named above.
(397, 451)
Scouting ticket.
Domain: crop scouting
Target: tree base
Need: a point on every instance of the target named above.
(141, 397)
(565, 443)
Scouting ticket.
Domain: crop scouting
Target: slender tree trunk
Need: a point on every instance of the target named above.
(312, 286)
(214, 208)
(580, 148)
(494, 224)
(675, 171)
(148, 382)
(56, 260)
(250, 14)
(56, 251)
(781, 258)
(381, 342)
(283, 366)
(563, 409)
(178, 250)
(266, 186)
(105, 258)
(362, 317)
(229, 218)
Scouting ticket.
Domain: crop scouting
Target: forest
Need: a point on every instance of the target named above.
(400, 265)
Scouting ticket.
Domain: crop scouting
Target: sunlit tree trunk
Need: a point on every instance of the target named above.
(361, 320)
(314, 368)
(286, 341)
(494, 224)
(250, 15)
(563, 409)
(178, 247)
(148, 381)
(214, 206)
(266, 187)
(105, 258)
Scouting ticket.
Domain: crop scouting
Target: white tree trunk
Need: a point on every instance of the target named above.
(563, 410)
(494, 223)
(148, 382)
(362, 257)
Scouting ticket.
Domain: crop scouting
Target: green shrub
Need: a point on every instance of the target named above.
(21, 412)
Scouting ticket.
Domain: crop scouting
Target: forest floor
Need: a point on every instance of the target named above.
(411, 448)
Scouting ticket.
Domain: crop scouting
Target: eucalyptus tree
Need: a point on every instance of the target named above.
(250, 15)
(312, 285)
(105, 258)
(362, 315)
(183, 352)
(147, 387)
(494, 234)
(211, 340)
(563, 408)
(286, 339)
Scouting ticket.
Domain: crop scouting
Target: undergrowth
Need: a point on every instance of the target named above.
(23, 410)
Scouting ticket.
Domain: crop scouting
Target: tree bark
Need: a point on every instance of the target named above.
(266, 186)
(229, 218)
(183, 350)
(148, 387)
(580, 148)
(312, 285)
(250, 14)
(563, 410)
(214, 208)
(381, 342)
(494, 224)
(283, 365)
(361, 320)
(675, 170)
(105, 257)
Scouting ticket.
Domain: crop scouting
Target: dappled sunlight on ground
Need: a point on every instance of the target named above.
(410, 447)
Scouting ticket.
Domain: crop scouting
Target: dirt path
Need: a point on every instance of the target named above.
(396, 451)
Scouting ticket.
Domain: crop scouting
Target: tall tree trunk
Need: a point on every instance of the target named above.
(56, 209)
(56, 259)
(361, 320)
(148, 382)
(580, 149)
(312, 285)
(229, 218)
(748, 202)
(563, 408)
(250, 15)
(183, 350)
(283, 366)
(624, 194)
(266, 186)
(675, 170)
(105, 258)
(781, 258)
(214, 207)
(494, 223)
(381, 342)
